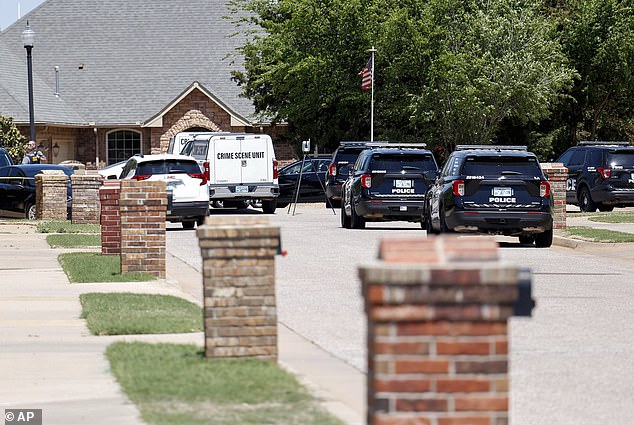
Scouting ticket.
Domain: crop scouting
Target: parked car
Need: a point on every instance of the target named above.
(600, 175)
(342, 159)
(5, 158)
(17, 189)
(388, 184)
(311, 188)
(113, 171)
(186, 184)
(492, 189)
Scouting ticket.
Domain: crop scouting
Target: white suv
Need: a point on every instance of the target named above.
(186, 184)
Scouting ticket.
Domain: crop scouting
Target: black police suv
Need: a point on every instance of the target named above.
(600, 175)
(492, 189)
(302, 181)
(387, 184)
(343, 158)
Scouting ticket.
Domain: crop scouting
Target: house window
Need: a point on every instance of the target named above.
(122, 144)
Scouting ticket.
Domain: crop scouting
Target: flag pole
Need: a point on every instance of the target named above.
(372, 50)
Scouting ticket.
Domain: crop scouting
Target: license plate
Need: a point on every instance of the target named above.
(242, 189)
(502, 191)
(406, 184)
(402, 208)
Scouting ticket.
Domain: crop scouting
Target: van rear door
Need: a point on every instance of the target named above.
(241, 160)
(256, 162)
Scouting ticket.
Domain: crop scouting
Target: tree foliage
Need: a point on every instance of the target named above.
(11, 139)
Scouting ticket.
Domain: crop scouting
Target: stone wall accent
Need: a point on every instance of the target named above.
(557, 175)
(143, 206)
(110, 217)
(438, 348)
(51, 193)
(85, 204)
(239, 287)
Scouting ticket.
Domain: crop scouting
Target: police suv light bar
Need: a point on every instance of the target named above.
(492, 147)
(595, 143)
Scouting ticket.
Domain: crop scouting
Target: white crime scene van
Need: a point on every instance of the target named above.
(241, 167)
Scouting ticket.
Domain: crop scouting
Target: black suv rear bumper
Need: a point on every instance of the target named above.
(609, 196)
(179, 211)
(390, 209)
(500, 222)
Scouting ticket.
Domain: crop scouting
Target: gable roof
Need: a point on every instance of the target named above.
(122, 62)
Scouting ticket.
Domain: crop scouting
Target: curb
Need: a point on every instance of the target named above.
(579, 243)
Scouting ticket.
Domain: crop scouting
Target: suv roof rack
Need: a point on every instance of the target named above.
(492, 147)
(596, 143)
(363, 143)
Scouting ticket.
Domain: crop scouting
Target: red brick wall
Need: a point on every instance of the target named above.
(85, 203)
(51, 192)
(557, 176)
(110, 217)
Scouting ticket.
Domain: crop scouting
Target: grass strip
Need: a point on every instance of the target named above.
(598, 235)
(613, 218)
(81, 267)
(66, 226)
(174, 384)
(73, 240)
(130, 314)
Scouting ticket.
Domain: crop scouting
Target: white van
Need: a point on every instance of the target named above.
(179, 140)
(241, 167)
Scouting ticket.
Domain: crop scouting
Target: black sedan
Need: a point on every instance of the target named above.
(311, 188)
(17, 188)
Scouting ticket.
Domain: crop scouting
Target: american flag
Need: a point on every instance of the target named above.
(366, 75)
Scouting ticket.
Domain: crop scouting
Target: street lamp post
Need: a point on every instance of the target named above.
(28, 37)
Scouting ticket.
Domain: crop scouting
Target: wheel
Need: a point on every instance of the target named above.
(356, 222)
(443, 223)
(188, 224)
(586, 204)
(200, 220)
(428, 226)
(331, 203)
(544, 240)
(30, 212)
(527, 239)
(282, 204)
(269, 206)
(606, 208)
(345, 220)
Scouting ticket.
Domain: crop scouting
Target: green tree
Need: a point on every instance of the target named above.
(11, 139)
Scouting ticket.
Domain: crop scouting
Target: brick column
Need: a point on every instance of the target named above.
(437, 312)
(51, 193)
(239, 287)
(86, 208)
(143, 206)
(110, 217)
(557, 176)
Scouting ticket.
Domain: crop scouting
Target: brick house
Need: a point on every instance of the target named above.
(117, 77)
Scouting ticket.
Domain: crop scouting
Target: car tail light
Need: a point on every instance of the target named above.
(140, 177)
(200, 176)
(604, 172)
(366, 181)
(275, 170)
(458, 187)
(206, 170)
(544, 189)
(332, 170)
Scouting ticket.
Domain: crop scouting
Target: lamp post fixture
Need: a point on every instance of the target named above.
(28, 37)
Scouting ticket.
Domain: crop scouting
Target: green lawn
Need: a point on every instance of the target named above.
(598, 235)
(73, 240)
(67, 227)
(83, 267)
(613, 218)
(130, 314)
(175, 384)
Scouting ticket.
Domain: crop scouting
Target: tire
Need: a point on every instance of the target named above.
(345, 220)
(188, 224)
(269, 206)
(200, 220)
(586, 204)
(331, 203)
(356, 222)
(544, 240)
(443, 223)
(606, 208)
(30, 212)
(428, 226)
(527, 239)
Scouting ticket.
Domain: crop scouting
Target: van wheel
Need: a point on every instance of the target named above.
(269, 207)
(30, 212)
(544, 240)
(428, 226)
(586, 204)
(200, 220)
(606, 208)
(345, 220)
(526, 239)
(188, 224)
(356, 222)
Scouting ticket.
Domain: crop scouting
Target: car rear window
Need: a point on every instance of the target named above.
(348, 155)
(168, 166)
(391, 162)
(621, 159)
(500, 165)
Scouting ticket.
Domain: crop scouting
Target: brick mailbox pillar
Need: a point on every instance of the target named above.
(557, 176)
(437, 312)
(51, 193)
(85, 204)
(239, 287)
(110, 217)
(143, 207)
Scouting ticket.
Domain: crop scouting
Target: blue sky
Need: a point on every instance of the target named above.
(9, 10)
